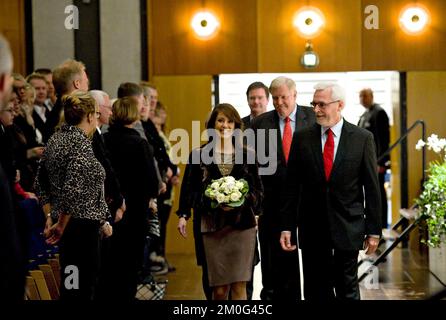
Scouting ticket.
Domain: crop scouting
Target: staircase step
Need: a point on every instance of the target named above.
(390, 234)
(409, 214)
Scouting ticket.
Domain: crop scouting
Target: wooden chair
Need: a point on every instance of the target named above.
(50, 280)
(55, 266)
(31, 292)
(39, 278)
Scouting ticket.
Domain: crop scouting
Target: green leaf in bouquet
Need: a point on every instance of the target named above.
(214, 204)
(236, 204)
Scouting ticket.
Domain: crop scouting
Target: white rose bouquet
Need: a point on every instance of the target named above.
(227, 191)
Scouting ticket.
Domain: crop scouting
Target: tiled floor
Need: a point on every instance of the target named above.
(404, 276)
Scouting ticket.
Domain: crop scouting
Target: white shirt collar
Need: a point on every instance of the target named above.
(337, 128)
(292, 115)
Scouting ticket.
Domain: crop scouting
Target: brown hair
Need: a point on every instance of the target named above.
(229, 111)
(77, 105)
(129, 89)
(161, 107)
(125, 112)
(257, 85)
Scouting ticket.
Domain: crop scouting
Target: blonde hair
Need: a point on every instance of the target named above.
(125, 112)
(64, 75)
(77, 106)
(280, 81)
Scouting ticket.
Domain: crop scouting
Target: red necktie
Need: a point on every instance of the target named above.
(328, 153)
(287, 137)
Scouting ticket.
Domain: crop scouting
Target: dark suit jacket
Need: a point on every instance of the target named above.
(52, 120)
(38, 123)
(246, 122)
(133, 164)
(113, 195)
(377, 122)
(272, 183)
(332, 213)
(159, 150)
(12, 281)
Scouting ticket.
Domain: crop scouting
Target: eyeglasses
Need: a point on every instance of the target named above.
(322, 105)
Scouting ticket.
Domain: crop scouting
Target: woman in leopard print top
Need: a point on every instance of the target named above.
(70, 186)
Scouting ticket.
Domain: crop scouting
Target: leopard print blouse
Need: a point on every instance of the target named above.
(70, 178)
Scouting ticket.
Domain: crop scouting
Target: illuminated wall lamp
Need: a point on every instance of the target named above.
(205, 25)
(413, 20)
(309, 58)
(309, 22)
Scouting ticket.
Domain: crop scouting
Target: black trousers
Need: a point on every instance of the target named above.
(280, 269)
(119, 274)
(79, 260)
(163, 215)
(330, 274)
(381, 177)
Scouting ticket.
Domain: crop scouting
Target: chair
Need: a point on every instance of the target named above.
(55, 266)
(50, 280)
(31, 292)
(42, 288)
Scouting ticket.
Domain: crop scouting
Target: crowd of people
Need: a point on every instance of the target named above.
(100, 176)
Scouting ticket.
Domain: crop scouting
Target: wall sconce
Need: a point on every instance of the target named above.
(309, 21)
(414, 19)
(205, 25)
(309, 59)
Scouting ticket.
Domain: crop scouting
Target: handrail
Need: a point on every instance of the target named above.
(403, 137)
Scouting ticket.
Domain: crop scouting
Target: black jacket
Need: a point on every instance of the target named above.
(272, 183)
(112, 190)
(159, 150)
(132, 162)
(332, 213)
(12, 281)
(377, 122)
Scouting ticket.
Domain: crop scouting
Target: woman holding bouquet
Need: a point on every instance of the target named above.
(224, 226)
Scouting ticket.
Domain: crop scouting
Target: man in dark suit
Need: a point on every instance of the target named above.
(331, 171)
(375, 120)
(12, 266)
(113, 196)
(280, 278)
(257, 95)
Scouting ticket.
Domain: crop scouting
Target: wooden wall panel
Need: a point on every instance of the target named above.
(426, 93)
(188, 98)
(12, 26)
(338, 46)
(176, 50)
(389, 48)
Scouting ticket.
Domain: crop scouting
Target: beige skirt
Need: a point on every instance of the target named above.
(229, 255)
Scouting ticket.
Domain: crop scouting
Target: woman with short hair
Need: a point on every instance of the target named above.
(70, 186)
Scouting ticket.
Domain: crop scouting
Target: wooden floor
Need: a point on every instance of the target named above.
(404, 276)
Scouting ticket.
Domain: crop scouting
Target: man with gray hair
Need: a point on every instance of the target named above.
(331, 172)
(12, 281)
(115, 200)
(280, 270)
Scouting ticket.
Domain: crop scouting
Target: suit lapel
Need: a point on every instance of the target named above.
(275, 125)
(342, 147)
(301, 119)
(316, 146)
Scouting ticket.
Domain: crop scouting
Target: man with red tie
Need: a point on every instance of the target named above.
(331, 173)
(279, 277)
